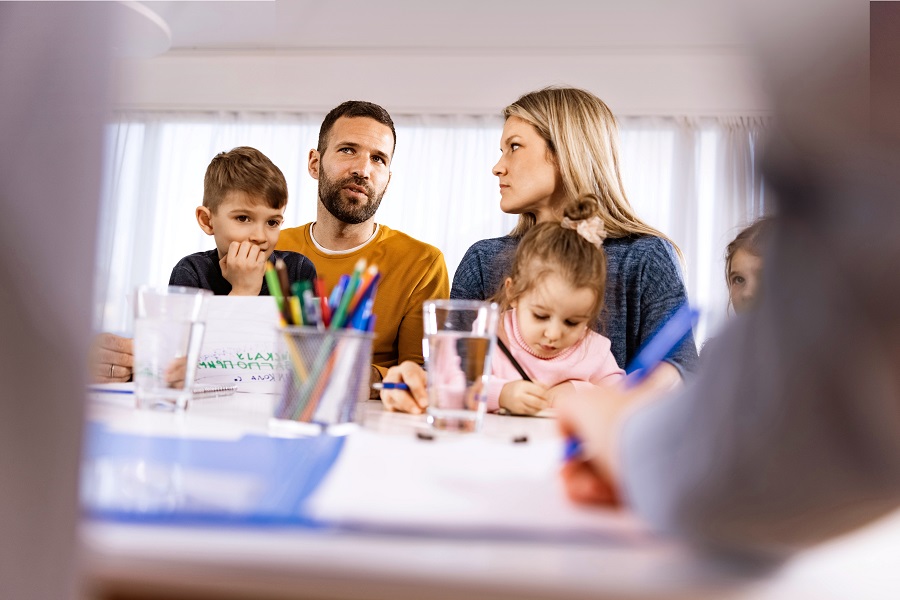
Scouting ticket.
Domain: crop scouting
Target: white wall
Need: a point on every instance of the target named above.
(704, 82)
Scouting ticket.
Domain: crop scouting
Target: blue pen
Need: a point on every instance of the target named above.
(335, 298)
(661, 344)
(389, 385)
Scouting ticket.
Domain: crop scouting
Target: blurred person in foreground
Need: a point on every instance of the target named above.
(53, 100)
(790, 433)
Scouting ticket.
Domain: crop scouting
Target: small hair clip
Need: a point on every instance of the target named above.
(591, 229)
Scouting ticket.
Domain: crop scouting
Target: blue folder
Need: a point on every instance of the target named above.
(256, 480)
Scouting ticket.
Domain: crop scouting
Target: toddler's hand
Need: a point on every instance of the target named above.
(244, 268)
(524, 397)
(560, 390)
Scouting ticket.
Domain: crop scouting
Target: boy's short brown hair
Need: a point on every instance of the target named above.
(247, 170)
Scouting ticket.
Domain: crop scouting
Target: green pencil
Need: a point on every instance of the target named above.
(340, 315)
(274, 286)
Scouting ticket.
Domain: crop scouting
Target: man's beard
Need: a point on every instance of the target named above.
(345, 210)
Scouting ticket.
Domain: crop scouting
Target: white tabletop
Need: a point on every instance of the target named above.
(282, 562)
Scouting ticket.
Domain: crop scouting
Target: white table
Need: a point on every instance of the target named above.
(142, 561)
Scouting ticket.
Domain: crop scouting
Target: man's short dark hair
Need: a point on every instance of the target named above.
(352, 109)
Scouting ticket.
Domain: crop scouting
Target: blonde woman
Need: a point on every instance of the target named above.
(558, 145)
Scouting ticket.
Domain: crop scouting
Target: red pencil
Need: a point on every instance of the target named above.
(319, 284)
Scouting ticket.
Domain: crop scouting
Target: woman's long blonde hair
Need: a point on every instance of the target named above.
(582, 135)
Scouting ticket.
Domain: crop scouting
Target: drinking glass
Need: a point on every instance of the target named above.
(459, 335)
(168, 332)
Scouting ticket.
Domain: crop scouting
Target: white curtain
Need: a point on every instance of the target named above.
(695, 180)
(691, 178)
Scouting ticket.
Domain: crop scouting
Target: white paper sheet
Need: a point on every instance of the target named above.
(240, 345)
(470, 486)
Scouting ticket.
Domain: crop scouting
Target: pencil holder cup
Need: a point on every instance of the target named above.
(328, 377)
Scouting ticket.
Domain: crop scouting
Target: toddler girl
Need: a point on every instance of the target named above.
(552, 296)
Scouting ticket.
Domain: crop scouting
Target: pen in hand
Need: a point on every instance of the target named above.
(572, 449)
(663, 342)
(390, 385)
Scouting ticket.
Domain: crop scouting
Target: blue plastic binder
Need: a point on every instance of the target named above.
(255, 480)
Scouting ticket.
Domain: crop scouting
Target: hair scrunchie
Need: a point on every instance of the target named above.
(591, 229)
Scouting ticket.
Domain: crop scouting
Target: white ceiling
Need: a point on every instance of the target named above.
(591, 26)
(644, 57)
(647, 57)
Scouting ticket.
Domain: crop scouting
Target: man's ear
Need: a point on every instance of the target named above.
(204, 219)
(313, 164)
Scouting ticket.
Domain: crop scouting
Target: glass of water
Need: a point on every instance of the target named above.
(459, 336)
(168, 331)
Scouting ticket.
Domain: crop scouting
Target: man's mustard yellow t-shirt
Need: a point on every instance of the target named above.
(411, 273)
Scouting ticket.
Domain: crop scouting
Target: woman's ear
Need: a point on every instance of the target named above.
(204, 219)
(507, 285)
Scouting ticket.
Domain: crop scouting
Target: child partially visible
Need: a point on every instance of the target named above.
(244, 197)
(553, 295)
(744, 265)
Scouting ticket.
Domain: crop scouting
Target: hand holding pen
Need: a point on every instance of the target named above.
(404, 388)
(586, 481)
(589, 478)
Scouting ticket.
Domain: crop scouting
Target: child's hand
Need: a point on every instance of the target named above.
(244, 268)
(560, 390)
(524, 397)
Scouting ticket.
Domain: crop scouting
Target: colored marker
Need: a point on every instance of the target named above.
(325, 316)
(299, 289)
(296, 312)
(359, 316)
(273, 285)
(340, 315)
(311, 310)
(283, 279)
(365, 283)
(337, 293)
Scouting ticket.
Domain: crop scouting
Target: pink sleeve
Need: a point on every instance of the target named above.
(608, 372)
(495, 386)
(496, 383)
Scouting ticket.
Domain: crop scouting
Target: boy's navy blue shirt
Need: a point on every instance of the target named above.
(202, 270)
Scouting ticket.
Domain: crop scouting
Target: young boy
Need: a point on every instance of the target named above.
(244, 195)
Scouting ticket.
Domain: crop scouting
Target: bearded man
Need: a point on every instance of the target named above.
(352, 164)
